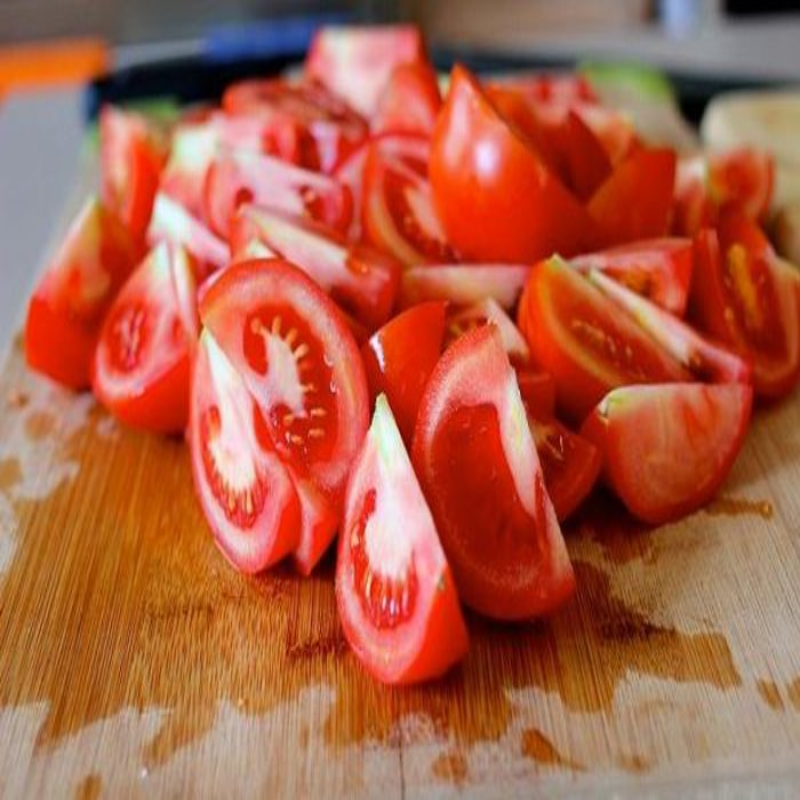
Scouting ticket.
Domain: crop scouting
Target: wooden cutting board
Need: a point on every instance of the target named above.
(134, 661)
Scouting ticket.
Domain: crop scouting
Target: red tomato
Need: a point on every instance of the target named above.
(68, 305)
(586, 161)
(396, 597)
(143, 357)
(571, 465)
(171, 222)
(463, 284)
(412, 149)
(400, 357)
(240, 177)
(244, 490)
(584, 341)
(658, 269)
(538, 392)
(704, 359)
(357, 62)
(477, 465)
(397, 214)
(496, 198)
(410, 101)
(553, 88)
(363, 281)
(298, 359)
(635, 202)
(746, 297)
(667, 449)
(131, 158)
(326, 127)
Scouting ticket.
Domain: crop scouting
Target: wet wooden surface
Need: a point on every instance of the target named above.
(134, 661)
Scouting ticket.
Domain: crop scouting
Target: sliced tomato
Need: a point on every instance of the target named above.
(410, 101)
(658, 269)
(584, 341)
(743, 295)
(552, 88)
(477, 465)
(144, 354)
(357, 62)
(743, 180)
(588, 165)
(363, 281)
(693, 207)
(296, 355)
(396, 597)
(326, 127)
(400, 357)
(635, 202)
(571, 465)
(131, 157)
(538, 391)
(398, 215)
(667, 449)
(240, 177)
(703, 358)
(496, 198)
(66, 311)
(463, 284)
(410, 148)
(171, 222)
(244, 490)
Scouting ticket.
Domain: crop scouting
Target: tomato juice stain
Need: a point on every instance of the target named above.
(768, 690)
(10, 473)
(39, 425)
(451, 767)
(739, 506)
(536, 746)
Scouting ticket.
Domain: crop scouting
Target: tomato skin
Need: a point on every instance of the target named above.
(635, 202)
(131, 158)
(705, 429)
(410, 101)
(67, 308)
(570, 463)
(356, 63)
(268, 534)
(400, 357)
(476, 461)
(743, 295)
(150, 390)
(658, 269)
(496, 198)
(424, 634)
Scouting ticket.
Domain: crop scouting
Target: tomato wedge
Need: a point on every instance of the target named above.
(240, 177)
(400, 357)
(293, 349)
(356, 62)
(410, 101)
(635, 202)
(396, 596)
(245, 492)
(398, 214)
(495, 197)
(477, 465)
(171, 222)
(658, 269)
(463, 284)
(703, 358)
(667, 449)
(584, 341)
(144, 354)
(570, 464)
(743, 295)
(363, 281)
(66, 311)
(131, 157)
(325, 126)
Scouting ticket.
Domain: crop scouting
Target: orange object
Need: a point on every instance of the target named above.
(58, 62)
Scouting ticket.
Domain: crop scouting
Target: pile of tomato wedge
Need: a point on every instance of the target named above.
(428, 324)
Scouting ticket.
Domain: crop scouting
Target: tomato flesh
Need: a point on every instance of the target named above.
(410, 101)
(246, 494)
(143, 358)
(667, 449)
(400, 357)
(66, 310)
(396, 596)
(477, 465)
